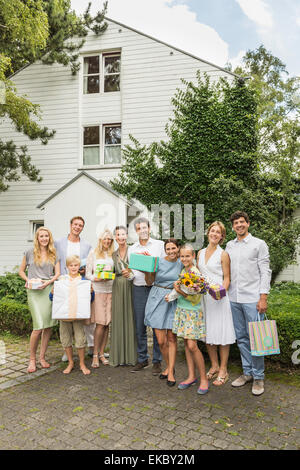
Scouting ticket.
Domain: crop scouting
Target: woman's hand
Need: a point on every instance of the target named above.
(45, 284)
(126, 273)
(167, 298)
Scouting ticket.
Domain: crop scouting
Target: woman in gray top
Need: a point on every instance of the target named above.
(43, 268)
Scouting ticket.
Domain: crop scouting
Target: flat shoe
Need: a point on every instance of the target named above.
(184, 386)
(202, 391)
(163, 376)
(171, 383)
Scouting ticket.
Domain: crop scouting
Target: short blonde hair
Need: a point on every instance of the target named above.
(72, 259)
(223, 230)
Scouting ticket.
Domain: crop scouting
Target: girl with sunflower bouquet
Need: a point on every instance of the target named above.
(189, 321)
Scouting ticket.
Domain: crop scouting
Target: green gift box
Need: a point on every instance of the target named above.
(144, 263)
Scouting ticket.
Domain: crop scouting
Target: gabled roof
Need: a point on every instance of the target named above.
(100, 183)
(157, 40)
(173, 47)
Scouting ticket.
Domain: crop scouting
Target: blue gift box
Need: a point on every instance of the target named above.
(143, 262)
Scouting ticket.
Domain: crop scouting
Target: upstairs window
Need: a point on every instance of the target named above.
(91, 75)
(101, 73)
(102, 145)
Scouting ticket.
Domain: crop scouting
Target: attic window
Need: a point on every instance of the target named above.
(91, 75)
(101, 73)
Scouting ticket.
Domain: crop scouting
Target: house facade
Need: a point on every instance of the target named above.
(124, 86)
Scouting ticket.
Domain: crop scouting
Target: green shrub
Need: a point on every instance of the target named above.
(13, 287)
(15, 317)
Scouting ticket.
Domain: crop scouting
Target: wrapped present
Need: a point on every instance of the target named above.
(143, 262)
(34, 283)
(106, 275)
(217, 291)
(102, 268)
(71, 300)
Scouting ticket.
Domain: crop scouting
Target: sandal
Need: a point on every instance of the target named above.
(32, 366)
(44, 364)
(103, 360)
(95, 363)
(221, 380)
(211, 375)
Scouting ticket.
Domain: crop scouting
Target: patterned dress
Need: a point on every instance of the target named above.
(189, 320)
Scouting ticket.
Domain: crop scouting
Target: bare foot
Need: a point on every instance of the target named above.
(85, 370)
(44, 364)
(32, 366)
(69, 368)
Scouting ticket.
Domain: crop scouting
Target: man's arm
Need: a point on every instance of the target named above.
(265, 276)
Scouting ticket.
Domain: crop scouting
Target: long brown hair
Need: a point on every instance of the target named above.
(51, 251)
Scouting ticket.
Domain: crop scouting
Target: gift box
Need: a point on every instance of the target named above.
(217, 291)
(101, 270)
(106, 275)
(143, 263)
(34, 283)
(71, 300)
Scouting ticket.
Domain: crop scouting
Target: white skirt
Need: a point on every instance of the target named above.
(218, 318)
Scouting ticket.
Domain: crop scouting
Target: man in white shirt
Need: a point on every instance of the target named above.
(140, 295)
(248, 292)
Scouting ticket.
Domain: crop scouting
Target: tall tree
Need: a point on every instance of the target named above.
(30, 30)
(210, 157)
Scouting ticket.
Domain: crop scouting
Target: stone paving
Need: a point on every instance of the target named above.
(115, 409)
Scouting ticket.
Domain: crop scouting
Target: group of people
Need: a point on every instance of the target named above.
(135, 300)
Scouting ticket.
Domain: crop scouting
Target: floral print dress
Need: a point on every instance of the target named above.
(189, 322)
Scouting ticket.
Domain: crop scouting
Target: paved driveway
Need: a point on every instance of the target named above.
(115, 409)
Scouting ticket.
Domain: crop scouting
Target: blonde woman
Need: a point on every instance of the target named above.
(214, 263)
(42, 263)
(101, 309)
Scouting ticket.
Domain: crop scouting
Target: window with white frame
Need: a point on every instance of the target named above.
(34, 225)
(102, 148)
(91, 75)
(101, 73)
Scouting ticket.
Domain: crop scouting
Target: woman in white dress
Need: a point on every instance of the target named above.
(214, 263)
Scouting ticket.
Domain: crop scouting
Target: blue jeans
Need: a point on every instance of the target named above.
(242, 314)
(140, 297)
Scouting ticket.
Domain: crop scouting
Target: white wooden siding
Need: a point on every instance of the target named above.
(149, 78)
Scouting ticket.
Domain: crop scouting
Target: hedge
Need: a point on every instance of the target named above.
(15, 317)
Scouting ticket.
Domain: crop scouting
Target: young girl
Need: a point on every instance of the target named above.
(189, 324)
(101, 312)
(42, 263)
(76, 327)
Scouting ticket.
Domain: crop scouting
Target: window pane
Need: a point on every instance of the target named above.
(112, 135)
(112, 83)
(91, 156)
(91, 65)
(91, 84)
(91, 135)
(112, 154)
(112, 64)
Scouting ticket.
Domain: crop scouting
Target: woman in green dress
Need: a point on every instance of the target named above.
(123, 346)
(43, 270)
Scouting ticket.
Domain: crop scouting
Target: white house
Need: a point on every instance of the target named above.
(124, 86)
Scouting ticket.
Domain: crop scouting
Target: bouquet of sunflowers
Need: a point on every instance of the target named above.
(192, 283)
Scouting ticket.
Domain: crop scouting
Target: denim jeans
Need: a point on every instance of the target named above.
(140, 297)
(242, 314)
